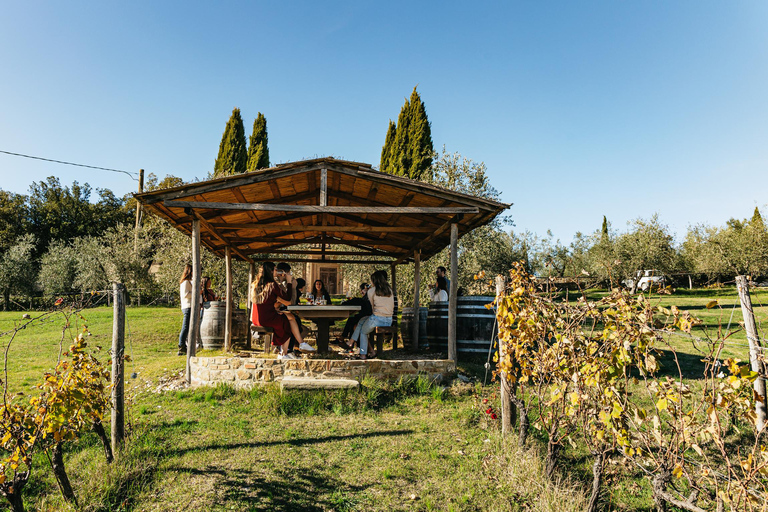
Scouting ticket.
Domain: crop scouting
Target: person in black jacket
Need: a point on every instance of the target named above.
(365, 310)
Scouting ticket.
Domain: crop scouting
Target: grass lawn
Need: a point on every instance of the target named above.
(388, 447)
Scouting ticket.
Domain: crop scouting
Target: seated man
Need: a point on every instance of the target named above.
(365, 310)
(297, 292)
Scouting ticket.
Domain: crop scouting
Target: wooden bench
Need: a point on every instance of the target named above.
(383, 331)
(258, 331)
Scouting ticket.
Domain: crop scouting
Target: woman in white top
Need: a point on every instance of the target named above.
(440, 293)
(383, 305)
(185, 296)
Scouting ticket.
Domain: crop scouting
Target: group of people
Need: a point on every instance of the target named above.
(275, 289)
(185, 294)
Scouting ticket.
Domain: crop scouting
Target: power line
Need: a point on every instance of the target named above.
(131, 174)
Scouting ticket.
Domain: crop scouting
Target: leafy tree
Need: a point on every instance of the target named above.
(410, 152)
(258, 151)
(386, 150)
(17, 270)
(648, 245)
(58, 269)
(63, 213)
(739, 247)
(13, 218)
(233, 156)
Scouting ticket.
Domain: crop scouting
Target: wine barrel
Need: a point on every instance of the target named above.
(406, 327)
(474, 325)
(213, 323)
(437, 325)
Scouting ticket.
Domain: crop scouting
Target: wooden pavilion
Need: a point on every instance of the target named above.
(341, 208)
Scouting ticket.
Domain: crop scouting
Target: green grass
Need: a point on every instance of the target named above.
(404, 446)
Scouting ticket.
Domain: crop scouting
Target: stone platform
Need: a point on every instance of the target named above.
(245, 372)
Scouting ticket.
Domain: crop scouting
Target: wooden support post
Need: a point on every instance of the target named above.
(393, 271)
(118, 367)
(194, 316)
(228, 311)
(416, 301)
(453, 295)
(508, 410)
(690, 282)
(755, 348)
(251, 275)
(138, 213)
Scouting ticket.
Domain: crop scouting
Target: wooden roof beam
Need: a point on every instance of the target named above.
(218, 237)
(442, 229)
(329, 228)
(267, 207)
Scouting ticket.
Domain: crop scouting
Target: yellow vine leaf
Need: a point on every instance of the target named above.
(711, 304)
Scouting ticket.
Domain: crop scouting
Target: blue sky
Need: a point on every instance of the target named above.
(579, 109)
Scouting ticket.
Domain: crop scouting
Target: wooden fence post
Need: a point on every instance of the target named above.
(508, 410)
(118, 367)
(755, 349)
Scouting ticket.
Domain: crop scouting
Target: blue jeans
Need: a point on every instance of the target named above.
(184, 334)
(366, 326)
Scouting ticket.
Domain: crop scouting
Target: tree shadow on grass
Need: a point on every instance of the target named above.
(290, 442)
(282, 489)
(691, 365)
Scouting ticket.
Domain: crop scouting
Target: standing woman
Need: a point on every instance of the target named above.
(383, 305)
(185, 296)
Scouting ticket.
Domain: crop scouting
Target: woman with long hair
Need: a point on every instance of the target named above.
(268, 297)
(383, 305)
(185, 295)
(206, 293)
(320, 293)
(441, 290)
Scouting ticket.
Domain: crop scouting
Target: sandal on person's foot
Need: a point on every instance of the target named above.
(372, 355)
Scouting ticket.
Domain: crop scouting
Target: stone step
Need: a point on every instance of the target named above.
(309, 383)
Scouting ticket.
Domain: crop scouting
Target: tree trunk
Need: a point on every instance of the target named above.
(6, 299)
(57, 464)
(12, 491)
(99, 429)
(597, 481)
(551, 463)
(659, 485)
(522, 418)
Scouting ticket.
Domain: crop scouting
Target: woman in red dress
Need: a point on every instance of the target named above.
(268, 296)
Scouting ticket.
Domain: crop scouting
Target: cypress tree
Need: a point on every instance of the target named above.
(233, 156)
(419, 139)
(386, 150)
(757, 219)
(604, 236)
(400, 161)
(408, 147)
(258, 151)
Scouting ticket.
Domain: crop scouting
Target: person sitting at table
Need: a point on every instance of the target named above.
(440, 293)
(267, 292)
(320, 293)
(290, 284)
(383, 305)
(304, 346)
(365, 311)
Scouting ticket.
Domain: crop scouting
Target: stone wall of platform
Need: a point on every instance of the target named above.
(246, 372)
